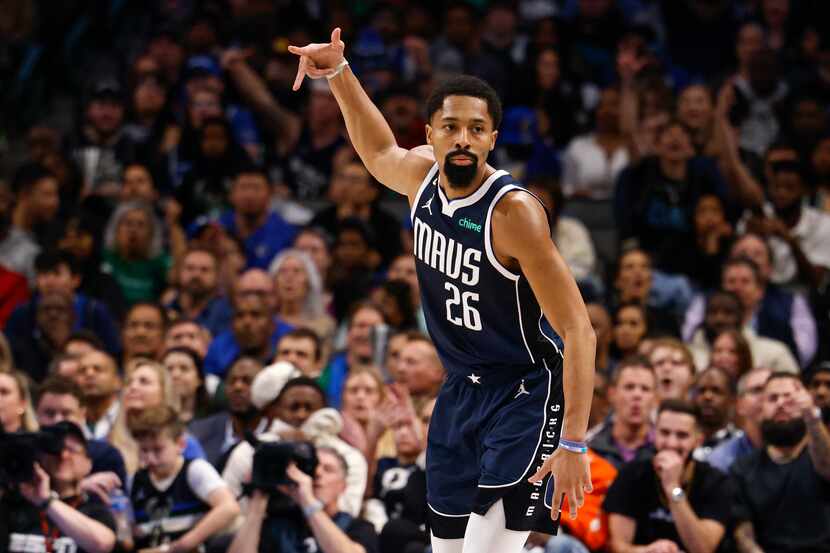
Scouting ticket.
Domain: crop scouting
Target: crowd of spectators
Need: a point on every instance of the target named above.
(195, 265)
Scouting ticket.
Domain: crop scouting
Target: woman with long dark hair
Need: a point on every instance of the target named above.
(186, 373)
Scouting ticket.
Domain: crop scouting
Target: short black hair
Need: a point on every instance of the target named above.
(683, 406)
(304, 381)
(731, 385)
(720, 293)
(242, 357)
(250, 168)
(465, 85)
(87, 337)
(165, 320)
(50, 261)
(359, 226)
(27, 175)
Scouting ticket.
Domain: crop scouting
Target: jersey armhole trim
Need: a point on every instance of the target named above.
(426, 182)
(488, 234)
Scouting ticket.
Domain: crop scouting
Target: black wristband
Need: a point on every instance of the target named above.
(43, 505)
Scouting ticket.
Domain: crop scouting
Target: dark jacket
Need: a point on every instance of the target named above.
(210, 432)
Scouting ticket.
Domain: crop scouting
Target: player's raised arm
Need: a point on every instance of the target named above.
(521, 231)
(396, 167)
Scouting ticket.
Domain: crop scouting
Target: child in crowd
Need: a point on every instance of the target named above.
(179, 504)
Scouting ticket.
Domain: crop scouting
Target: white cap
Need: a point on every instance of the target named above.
(270, 381)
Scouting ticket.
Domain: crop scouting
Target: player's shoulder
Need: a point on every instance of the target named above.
(516, 201)
(416, 165)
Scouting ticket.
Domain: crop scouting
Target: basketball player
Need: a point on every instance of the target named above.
(491, 279)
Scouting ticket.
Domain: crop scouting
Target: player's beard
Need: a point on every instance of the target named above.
(460, 176)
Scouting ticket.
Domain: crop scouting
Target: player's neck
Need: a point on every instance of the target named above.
(453, 192)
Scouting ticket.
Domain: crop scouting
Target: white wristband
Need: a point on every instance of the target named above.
(339, 69)
(313, 509)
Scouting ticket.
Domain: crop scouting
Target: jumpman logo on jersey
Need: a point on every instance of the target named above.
(522, 390)
(428, 205)
(474, 378)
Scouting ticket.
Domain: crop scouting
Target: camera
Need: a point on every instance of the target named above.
(271, 459)
(19, 451)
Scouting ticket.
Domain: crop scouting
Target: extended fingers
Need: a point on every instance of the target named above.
(579, 495)
(298, 80)
(558, 494)
(539, 474)
(298, 50)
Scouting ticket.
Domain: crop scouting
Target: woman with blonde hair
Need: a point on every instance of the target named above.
(16, 411)
(146, 384)
(364, 395)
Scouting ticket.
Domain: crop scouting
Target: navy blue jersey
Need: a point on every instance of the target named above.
(481, 316)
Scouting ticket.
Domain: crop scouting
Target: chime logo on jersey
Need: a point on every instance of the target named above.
(467, 224)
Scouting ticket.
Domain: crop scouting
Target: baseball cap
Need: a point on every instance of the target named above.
(203, 65)
(107, 88)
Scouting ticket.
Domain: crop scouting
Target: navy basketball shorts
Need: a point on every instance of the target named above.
(488, 434)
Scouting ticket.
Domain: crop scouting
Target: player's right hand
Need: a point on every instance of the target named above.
(571, 473)
(318, 59)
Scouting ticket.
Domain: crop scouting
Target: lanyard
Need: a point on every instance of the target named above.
(50, 534)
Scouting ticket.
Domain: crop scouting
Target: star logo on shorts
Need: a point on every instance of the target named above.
(474, 378)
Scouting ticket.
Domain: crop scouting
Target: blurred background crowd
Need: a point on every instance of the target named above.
(190, 250)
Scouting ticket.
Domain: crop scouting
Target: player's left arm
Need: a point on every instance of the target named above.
(522, 235)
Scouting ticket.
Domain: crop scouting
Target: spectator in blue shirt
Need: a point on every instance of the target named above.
(254, 332)
(57, 272)
(748, 409)
(198, 298)
(263, 231)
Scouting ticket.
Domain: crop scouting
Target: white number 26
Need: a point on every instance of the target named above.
(470, 317)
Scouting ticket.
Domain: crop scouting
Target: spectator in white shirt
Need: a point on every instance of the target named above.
(591, 162)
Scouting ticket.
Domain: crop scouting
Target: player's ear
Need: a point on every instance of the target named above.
(428, 130)
(493, 136)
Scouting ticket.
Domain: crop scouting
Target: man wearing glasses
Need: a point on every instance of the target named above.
(51, 513)
(748, 411)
